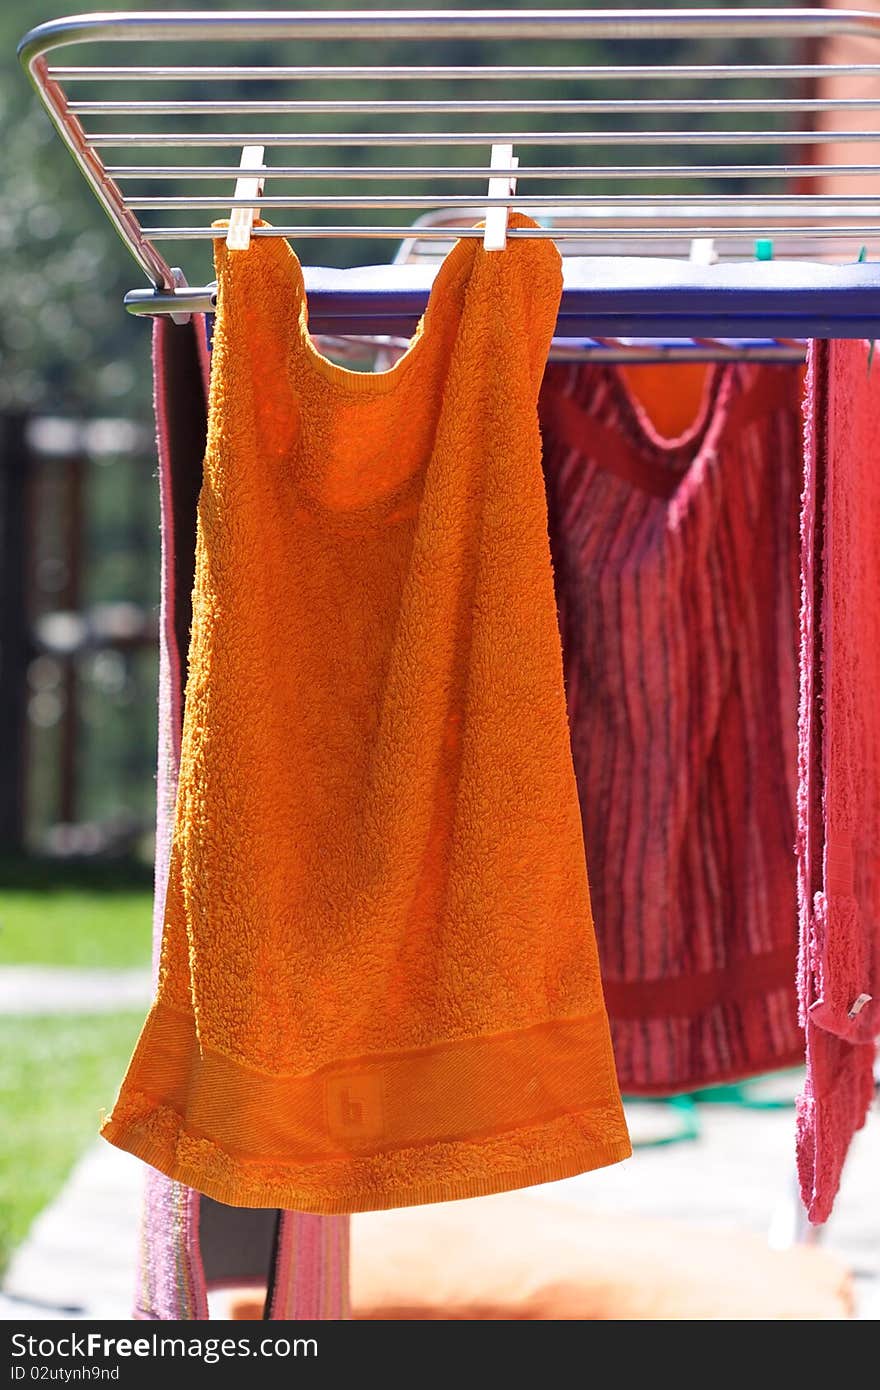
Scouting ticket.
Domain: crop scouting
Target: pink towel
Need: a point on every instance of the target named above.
(188, 1243)
(839, 803)
(676, 568)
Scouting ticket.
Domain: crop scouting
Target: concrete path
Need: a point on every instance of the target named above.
(740, 1173)
(79, 1259)
(85, 1240)
(46, 989)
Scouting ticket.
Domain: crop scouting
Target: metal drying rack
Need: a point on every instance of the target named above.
(633, 285)
(630, 271)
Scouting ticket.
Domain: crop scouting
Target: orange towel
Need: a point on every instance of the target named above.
(379, 983)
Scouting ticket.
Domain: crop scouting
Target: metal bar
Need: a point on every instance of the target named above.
(566, 172)
(794, 202)
(620, 350)
(423, 107)
(526, 233)
(208, 29)
(758, 325)
(89, 163)
(402, 139)
(552, 72)
(767, 301)
(677, 244)
(141, 304)
(439, 24)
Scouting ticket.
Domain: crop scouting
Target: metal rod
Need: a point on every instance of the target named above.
(675, 242)
(204, 300)
(619, 350)
(89, 163)
(528, 233)
(221, 73)
(250, 26)
(827, 204)
(142, 30)
(402, 139)
(566, 172)
(425, 107)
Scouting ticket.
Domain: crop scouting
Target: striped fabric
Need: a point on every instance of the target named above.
(677, 580)
(308, 1278)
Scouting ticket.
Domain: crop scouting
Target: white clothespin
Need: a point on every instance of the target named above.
(858, 1004)
(241, 219)
(179, 283)
(500, 186)
(703, 251)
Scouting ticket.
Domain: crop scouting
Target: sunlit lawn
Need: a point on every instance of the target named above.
(58, 1072)
(89, 916)
(56, 1075)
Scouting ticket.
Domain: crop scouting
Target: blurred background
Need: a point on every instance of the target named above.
(79, 555)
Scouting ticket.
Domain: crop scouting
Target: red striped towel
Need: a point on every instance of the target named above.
(676, 572)
(839, 805)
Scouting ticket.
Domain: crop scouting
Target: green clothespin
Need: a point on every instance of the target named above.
(764, 250)
(863, 256)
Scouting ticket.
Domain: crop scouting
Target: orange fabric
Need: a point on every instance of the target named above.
(670, 398)
(523, 1258)
(379, 983)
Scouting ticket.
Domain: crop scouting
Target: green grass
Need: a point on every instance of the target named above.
(56, 1075)
(90, 915)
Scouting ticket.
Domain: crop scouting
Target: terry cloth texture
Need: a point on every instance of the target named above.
(676, 580)
(189, 1243)
(379, 981)
(839, 805)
